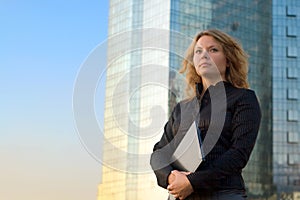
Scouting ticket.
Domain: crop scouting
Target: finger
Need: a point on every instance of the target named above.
(173, 193)
(170, 187)
(186, 173)
(175, 172)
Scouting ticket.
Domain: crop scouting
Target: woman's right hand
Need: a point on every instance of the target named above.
(171, 177)
(179, 186)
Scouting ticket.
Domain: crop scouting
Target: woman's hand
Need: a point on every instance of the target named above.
(179, 185)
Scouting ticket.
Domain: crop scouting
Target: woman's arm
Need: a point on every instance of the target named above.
(162, 153)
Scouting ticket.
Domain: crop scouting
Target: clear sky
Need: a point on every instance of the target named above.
(42, 45)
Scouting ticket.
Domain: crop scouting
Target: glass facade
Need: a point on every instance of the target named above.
(139, 56)
(137, 81)
(286, 126)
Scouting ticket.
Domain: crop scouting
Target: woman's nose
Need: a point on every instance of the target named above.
(204, 55)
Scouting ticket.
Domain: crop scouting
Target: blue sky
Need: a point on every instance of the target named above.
(42, 45)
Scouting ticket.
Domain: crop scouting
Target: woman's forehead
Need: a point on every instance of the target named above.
(207, 41)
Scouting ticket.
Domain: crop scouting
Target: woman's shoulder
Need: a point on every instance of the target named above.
(241, 95)
(186, 105)
(240, 92)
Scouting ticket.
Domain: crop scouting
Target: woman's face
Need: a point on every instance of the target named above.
(209, 58)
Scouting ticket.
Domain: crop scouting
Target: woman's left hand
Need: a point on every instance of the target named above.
(181, 186)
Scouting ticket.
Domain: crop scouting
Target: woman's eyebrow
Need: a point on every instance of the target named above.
(213, 45)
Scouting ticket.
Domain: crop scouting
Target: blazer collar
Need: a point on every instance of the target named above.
(199, 87)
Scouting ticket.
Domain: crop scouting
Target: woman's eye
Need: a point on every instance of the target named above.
(213, 50)
(198, 51)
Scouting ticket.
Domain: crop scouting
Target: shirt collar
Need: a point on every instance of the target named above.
(199, 87)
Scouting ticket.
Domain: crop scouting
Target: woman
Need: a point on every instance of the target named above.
(216, 69)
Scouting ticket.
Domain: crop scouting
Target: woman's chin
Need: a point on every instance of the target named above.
(207, 72)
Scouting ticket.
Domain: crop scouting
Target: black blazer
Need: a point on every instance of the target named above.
(228, 137)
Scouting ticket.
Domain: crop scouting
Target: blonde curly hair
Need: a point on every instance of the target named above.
(236, 57)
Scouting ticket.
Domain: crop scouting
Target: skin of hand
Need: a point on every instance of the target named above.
(179, 185)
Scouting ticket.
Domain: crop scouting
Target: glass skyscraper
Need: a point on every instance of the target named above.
(146, 44)
(286, 99)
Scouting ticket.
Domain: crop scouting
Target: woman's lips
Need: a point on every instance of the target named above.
(204, 64)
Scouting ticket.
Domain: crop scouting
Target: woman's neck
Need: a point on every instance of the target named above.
(208, 82)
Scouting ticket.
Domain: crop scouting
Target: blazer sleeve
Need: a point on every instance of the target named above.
(162, 152)
(245, 126)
